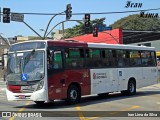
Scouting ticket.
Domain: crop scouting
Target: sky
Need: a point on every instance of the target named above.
(38, 22)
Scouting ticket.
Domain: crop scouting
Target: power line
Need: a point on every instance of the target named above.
(91, 13)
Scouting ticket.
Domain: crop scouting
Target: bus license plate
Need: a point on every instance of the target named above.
(22, 97)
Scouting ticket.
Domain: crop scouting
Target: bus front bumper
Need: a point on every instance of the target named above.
(39, 95)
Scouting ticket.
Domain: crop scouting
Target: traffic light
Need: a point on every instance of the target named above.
(6, 15)
(68, 11)
(95, 31)
(87, 20)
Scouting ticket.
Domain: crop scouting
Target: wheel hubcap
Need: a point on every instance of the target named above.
(73, 94)
(131, 87)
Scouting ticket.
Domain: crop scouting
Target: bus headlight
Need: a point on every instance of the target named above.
(40, 85)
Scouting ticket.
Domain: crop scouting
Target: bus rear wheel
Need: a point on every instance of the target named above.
(131, 90)
(131, 87)
(73, 95)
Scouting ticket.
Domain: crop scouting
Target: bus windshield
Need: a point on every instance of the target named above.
(30, 63)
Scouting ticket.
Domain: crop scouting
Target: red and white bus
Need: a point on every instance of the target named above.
(46, 70)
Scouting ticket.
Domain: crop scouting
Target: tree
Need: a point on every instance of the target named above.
(80, 29)
(52, 33)
(135, 22)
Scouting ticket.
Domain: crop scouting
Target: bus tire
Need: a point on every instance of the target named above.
(131, 87)
(73, 95)
(39, 102)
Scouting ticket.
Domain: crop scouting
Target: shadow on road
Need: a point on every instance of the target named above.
(88, 100)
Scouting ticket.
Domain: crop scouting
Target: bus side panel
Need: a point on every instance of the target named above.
(58, 83)
(104, 80)
(126, 73)
(144, 76)
(82, 77)
(150, 76)
(55, 87)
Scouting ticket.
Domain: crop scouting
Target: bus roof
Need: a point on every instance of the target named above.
(120, 46)
(73, 43)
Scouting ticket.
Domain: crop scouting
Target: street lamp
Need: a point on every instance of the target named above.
(43, 31)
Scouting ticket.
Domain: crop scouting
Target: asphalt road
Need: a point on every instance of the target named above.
(112, 107)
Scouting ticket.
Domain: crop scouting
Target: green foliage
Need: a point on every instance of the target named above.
(131, 22)
(80, 29)
(52, 33)
(135, 22)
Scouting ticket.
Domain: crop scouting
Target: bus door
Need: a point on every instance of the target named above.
(121, 70)
(99, 81)
(124, 71)
(113, 76)
(55, 73)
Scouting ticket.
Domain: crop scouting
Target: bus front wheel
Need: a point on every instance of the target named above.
(73, 95)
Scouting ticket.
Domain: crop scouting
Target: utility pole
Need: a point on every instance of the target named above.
(63, 29)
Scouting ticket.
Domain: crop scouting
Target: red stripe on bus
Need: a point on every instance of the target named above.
(68, 44)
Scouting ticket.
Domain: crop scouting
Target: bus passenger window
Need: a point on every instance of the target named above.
(93, 59)
(66, 53)
(121, 57)
(135, 58)
(144, 56)
(151, 59)
(57, 60)
(54, 60)
(87, 53)
(74, 58)
(49, 62)
(114, 58)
